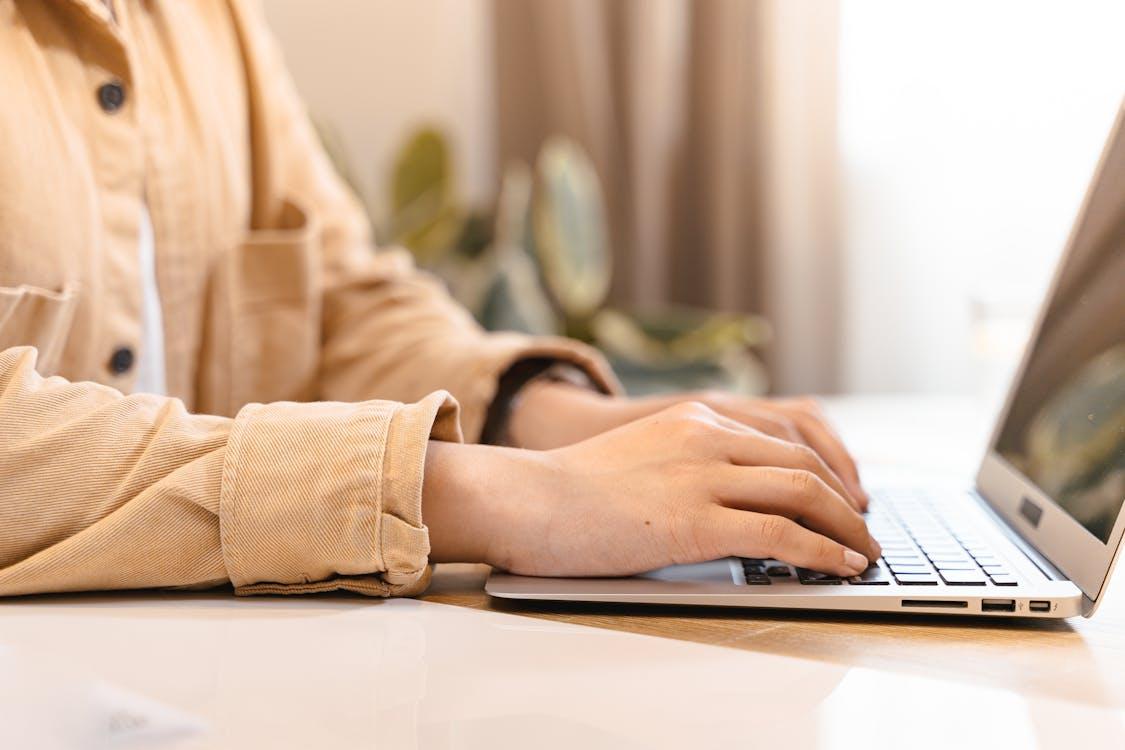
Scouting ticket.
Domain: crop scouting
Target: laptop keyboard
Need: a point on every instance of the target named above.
(924, 544)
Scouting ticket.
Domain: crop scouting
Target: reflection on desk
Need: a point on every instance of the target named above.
(339, 672)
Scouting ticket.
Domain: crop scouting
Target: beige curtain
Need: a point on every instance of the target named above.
(712, 126)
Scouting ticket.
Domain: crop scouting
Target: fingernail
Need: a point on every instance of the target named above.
(856, 562)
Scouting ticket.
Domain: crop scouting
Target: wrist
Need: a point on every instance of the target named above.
(551, 414)
(475, 500)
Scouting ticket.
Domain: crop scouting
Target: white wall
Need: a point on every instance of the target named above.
(968, 131)
(375, 69)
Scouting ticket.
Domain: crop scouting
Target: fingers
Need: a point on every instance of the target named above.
(752, 450)
(769, 424)
(823, 439)
(747, 449)
(817, 448)
(743, 534)
(797, 495)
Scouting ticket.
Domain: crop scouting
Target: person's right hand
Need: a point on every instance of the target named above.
(683, 485)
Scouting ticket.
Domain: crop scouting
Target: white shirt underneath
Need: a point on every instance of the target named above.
(150, 358)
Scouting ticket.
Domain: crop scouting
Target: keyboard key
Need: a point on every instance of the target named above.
(904, 559)
(873, 576)
(983, 560)
(916, 579)
(932, 541)
(1004, 580)
(930, 550)
(963, 565)
(815, 578)
(892, 548)
(951, 557)
(963, 577)
(900, 568)
(995, 569)
(757, 579)
(778, 571)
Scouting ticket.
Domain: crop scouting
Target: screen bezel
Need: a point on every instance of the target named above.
(1065, 542)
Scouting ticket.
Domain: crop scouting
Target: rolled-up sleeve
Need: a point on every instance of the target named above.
(329, 495)
(104, 491)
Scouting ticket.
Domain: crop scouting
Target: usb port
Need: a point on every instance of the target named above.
(998, 605)
(1036, 605)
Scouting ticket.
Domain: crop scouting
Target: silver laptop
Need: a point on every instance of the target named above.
(1039, 533)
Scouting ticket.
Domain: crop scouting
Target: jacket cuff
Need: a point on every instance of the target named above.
(325, 496)
(500, 351)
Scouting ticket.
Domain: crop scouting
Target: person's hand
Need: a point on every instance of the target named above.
(683, 485)
(549, 415)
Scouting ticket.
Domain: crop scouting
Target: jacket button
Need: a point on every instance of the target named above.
(111, 96)
(121, 361)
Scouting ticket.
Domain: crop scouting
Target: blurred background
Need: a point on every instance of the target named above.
(786, 195)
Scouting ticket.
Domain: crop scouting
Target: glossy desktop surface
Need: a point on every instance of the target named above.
(344, 673)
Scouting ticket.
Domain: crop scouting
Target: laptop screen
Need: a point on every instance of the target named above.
(1065, 426)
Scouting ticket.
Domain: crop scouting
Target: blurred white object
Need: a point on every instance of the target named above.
(46, 705)
(965, 152)
(1000, 322)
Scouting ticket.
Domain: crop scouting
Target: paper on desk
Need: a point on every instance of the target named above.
(45, 705)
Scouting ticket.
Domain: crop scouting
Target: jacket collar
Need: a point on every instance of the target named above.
(99, 15)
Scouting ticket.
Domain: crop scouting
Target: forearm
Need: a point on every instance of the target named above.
(473, 495)
(549, 414)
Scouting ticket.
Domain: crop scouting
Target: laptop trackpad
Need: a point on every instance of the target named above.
(716, 571)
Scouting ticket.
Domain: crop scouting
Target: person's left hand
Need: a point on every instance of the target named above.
(550, 415)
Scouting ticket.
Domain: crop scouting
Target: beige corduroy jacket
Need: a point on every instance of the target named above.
(306, 372)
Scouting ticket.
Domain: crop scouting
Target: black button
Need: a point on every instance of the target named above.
(121, 361)
(111, 96)
(873, 576)
(963, 577)
(816, 578)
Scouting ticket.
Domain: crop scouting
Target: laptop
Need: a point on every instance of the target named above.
(1038, 534)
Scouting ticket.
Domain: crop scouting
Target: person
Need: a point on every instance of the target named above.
(209, 376)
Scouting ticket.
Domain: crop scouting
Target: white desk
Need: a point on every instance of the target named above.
(409, 674)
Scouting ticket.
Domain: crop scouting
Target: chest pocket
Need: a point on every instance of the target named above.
(262, 339)
(32, 316)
